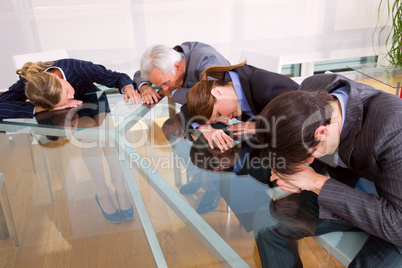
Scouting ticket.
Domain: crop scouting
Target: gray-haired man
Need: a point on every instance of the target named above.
(175, 70)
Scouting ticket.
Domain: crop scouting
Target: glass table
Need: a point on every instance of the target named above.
(384, 78)
(185, 214)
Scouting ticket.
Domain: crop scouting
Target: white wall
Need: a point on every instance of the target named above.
(115, 33)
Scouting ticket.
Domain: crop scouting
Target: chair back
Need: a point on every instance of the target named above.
(269, 62)
(51, 55)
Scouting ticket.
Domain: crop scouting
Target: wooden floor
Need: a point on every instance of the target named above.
(71, 232)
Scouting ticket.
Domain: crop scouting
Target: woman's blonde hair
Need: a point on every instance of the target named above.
(200, 101)
(41, 88)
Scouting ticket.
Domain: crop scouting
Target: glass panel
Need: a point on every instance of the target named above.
(291, 70)
(341, 65)
(385, 78)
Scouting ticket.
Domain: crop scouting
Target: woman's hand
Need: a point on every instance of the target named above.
(221, 139)
(131, 93)
(71, 103)
(242, 128)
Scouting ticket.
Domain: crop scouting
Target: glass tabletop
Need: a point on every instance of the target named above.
(214, 204)
(64, 172)
(192, 206)
(390, 77)
(58, 121)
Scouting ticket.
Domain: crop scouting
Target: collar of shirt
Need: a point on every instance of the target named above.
(185, 76)
(234, 77)
(342, 94)
(54, 67)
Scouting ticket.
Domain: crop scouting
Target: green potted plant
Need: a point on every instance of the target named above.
(393, 39)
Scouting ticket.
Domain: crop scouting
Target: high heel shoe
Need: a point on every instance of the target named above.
(113, 217)
(127, 214)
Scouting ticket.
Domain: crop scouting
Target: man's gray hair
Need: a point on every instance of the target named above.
(161, 57)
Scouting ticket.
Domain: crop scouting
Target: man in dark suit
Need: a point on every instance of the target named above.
(175, 70)
(358, 129)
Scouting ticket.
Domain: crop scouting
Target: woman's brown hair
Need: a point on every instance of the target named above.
(200, 100)
(41, 88)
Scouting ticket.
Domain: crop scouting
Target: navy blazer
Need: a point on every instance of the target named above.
(80, 74)
(370, 145)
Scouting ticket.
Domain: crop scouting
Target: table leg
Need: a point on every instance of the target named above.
(3, 225)
(6, 204)
(172, 107)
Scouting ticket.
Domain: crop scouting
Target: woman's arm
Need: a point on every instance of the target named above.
(13, 102)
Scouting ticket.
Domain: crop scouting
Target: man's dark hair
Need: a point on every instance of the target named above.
(287, 125)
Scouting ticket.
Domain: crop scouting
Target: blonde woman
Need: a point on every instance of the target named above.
(58, 85)
(237, 91)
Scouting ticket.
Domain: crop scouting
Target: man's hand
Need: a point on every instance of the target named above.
(149, 95)
(306, 179)
(131, 93)
(167, 93)
(242, 128)
(221, 139)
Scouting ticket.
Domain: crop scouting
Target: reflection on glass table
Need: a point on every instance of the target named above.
(172, 226)
(94, 113)
(236, 183)
(384, 78)
(66, 215)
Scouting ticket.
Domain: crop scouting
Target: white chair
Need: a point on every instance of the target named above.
(269, 62)
(20, 60)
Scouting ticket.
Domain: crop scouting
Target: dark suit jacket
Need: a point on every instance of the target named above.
(259, 87)
(370, 145)
(80, 74)
(198, 56)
